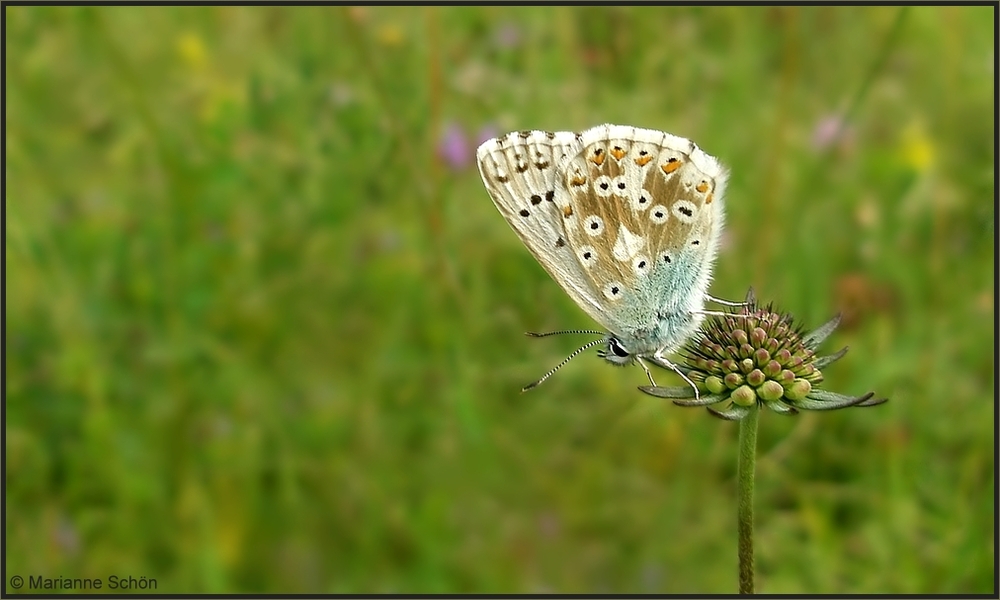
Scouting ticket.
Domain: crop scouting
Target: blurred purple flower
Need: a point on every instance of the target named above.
(829, 131)
(66, 537)
(453, 147)
(507, 36)
(457, 149)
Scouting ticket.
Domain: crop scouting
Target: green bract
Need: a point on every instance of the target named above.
(757, 356)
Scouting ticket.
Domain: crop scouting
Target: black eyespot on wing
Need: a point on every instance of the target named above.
(586, 256)
(524, 212)
(560, 243)
(642, 264)
(614, 290)
(686, 210)
(695, 243)
(666, 258)
(604, 186)
(595, 225)
(549, 195)
(536, 199)
(621, 185)
(659, 214)
(642, 199)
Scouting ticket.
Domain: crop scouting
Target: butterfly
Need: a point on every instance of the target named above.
(626, 220)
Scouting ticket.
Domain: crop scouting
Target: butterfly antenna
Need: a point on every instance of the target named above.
(559, 366)
(548, 333)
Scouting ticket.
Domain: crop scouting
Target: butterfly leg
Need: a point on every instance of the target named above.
(724, 302)
(645, 368)
(715, 313)
(662, 361)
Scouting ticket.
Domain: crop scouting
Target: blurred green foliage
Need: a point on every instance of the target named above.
(264, 325)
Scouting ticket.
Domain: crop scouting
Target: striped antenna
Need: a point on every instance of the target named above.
(568, 358)
(548, 333)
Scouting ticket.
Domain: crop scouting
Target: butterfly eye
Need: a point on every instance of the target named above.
(617, 348)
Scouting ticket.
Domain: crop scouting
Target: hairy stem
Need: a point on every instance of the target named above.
(744, 494)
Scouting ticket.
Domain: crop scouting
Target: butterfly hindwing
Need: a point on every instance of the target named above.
(647, 211)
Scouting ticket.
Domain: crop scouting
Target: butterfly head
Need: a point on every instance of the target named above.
(615, 352)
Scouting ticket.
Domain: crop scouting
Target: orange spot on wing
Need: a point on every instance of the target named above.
(617, 152)
(671, 165)
(642, 161)
(578, 181)
(708, 199)
(598, 158)
(567, 211)
(702, 187)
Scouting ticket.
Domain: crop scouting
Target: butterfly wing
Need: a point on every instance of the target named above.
(519, 171)
(646, 216)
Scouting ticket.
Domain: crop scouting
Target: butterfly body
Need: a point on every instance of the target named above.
(626, 220)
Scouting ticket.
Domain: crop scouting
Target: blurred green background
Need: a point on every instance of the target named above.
(265, 327)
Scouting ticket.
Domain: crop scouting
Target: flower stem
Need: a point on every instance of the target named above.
(744, 493)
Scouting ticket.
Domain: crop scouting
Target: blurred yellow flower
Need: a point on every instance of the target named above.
(390, 35)
(916, 147)
(191, 50)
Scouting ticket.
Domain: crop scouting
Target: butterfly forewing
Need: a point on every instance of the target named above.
(519, 171)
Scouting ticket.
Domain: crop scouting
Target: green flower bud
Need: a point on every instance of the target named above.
(772, 368)
(744, 396)
(798, 390)
(761, 356)
(756, 377)
(714, 385)
(733, 380)
(770, 391)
